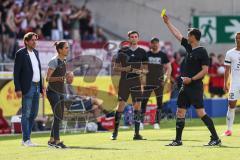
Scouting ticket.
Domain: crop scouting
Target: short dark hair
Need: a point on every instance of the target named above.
(154, 39)
(212, 54)
(220, 56)
(132, 32)
(28, 36)
(59, 45)
(195, 32)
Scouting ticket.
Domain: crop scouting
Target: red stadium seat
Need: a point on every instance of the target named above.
(4, 126)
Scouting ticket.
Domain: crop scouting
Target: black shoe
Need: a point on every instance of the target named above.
(214, 142)
(51, 144)
(61, 145)
(138, 137)
(175, 143)
(114, 136)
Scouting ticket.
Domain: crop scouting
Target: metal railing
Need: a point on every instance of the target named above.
(6, 67)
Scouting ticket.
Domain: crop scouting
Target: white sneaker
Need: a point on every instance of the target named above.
(25, 143)
(32, 144)
(141, 126)
(29, 143)
(156, 126)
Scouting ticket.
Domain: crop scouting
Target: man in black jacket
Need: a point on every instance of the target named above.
(28, 84)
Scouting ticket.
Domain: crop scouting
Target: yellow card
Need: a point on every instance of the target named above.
(163, 12)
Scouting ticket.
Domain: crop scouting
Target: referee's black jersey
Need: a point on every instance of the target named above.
(155, 64)
(134, 58)
(194, 60)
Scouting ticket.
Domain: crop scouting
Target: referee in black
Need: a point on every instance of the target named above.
(195, 67)
(158, 65)
(129, 59)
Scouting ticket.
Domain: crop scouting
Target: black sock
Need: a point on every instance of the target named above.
(158, 116)
(137, 120)
(118, 116)
(143, 109)
(209, 123)
(180, 123)
(142, 116)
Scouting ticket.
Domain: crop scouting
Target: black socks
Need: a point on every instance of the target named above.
(180, 123)
(209, 123)
(118, 116)
(137, 120)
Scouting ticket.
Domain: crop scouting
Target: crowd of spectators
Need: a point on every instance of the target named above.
(216, 75)
(50, 19)
(59, 19)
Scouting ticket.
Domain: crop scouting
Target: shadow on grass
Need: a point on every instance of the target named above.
(169, 140)
(223, 146)
(39, 146)
(220, 147)
(77, 147)
(93, 148)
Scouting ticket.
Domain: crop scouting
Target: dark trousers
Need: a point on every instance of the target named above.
(57, 103)
(157, 88)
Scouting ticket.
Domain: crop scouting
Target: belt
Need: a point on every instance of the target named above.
(35, 83)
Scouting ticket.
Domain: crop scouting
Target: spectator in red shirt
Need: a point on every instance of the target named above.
(175, 76)
(216, 74)
(220, 76)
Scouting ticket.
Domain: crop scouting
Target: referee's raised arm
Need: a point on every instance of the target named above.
(172, 28)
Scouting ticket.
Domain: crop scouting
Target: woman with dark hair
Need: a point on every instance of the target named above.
(55, 90)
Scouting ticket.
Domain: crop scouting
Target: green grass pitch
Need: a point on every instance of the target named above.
(97, 146)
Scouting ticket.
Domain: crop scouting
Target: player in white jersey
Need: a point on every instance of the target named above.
(232, 69)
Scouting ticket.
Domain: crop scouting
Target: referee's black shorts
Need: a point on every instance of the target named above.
(130, 87)
(191, 95)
